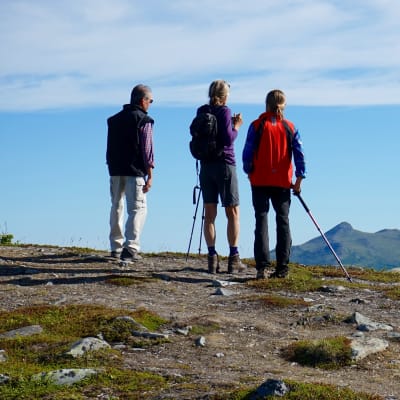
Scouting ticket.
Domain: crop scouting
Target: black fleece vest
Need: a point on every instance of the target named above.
(124, 153)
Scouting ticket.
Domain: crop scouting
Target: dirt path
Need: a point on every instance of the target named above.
(243, 350)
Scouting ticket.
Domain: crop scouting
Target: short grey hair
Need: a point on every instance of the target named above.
(138, 93)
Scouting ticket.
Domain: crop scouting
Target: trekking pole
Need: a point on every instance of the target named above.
(323, 236)
(201, 229)
(194, 216)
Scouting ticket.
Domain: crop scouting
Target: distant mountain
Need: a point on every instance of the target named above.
(379, 250)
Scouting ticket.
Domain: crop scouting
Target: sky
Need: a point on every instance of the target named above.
(66, 66)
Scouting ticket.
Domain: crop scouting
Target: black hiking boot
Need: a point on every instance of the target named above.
(260, 273)
(128, 257)
(280, 272)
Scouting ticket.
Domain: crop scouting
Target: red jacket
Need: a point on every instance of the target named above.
(272, 160)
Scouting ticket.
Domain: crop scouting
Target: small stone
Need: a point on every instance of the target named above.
(224, 292)
(201, 341)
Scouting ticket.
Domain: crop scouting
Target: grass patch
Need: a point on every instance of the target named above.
(366, 274)
(303, 391)
(300, 279)
(392, 293)
(331, 353)
(204, 329)
(62, 326)
(303, 279)
(127, 280)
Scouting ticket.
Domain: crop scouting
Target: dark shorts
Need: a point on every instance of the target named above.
(219, 179)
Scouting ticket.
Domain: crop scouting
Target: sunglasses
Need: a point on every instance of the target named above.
(150, 100)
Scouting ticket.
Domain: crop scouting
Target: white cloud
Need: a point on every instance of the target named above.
(90, 52)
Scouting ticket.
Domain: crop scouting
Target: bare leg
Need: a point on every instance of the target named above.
(233, 227)
(210, 213)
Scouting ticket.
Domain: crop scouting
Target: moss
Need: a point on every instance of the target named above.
(127, 280)
(62, 326)
(280, 301)
(331, 353)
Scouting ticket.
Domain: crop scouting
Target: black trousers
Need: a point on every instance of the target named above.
(280, 199)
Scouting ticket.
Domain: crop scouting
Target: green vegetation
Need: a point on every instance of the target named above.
(204, 328)
(6, 239)
(331, 353)
(62, 326)
(303, 391)
(303, 279)
(127, 280)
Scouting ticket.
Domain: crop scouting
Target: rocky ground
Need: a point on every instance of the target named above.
(244, 350)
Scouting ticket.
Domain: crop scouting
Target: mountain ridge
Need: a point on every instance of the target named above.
(379, 250)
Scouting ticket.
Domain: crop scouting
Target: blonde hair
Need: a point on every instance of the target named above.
(276, 102)
(218, 92)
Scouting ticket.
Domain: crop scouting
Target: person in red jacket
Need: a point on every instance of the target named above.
(271, 143)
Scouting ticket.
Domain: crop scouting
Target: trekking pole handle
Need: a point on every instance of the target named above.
(194, 193)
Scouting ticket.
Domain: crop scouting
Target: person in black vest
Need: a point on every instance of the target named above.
(130, 162)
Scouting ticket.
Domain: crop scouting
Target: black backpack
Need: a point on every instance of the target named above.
(205, 144)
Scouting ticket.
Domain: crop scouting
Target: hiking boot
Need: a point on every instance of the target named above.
(213, 264)
(129, 257)
(115, 254)
(280, 272)
(260, 273)
(235, 264)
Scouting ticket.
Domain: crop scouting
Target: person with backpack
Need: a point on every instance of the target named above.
(130, 161)
(271, 143)
(218, 176)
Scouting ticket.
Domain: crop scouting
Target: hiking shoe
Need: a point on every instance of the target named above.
(280, 272)
(115, 254)
(260, 273)
(129, 257)
(213, 264)
(235, 264)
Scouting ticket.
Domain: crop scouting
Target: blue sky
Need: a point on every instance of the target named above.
(68, 65)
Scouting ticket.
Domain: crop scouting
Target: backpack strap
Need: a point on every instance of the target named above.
(257, 137)
(289, 136)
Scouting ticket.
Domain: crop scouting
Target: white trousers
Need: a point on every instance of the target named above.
(127, 189)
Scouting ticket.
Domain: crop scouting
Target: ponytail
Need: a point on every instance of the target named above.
(276, 102)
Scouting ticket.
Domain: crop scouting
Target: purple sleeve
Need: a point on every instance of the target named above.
(147, 145)
(225, 121)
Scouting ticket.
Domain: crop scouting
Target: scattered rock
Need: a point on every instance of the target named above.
(85, 345)
(25, 331)
(224, 292)
(150, 335)
(201, 341)
(218, 283)
(366, 325)
(272, 387)
(183, 331)
(362, 347)
(332, 289)
(3, 356)
(65, 376)
(395, 336)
